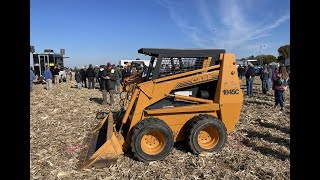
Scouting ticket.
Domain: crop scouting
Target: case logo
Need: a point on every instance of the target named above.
(202, 78)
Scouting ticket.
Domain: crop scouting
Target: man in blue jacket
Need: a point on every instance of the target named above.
(48, 77)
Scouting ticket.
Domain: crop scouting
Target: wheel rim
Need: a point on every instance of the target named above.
(153, 142)
(208, 137)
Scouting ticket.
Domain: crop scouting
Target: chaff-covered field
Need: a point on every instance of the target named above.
(60, 121)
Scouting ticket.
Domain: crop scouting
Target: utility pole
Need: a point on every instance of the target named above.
(261, 58)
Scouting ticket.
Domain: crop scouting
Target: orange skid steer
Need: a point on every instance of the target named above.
(190, 95)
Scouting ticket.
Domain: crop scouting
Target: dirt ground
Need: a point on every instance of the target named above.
(60, 121)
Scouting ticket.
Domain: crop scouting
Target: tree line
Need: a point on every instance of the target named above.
(283, 53)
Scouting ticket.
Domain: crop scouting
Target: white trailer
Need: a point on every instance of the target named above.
(287, 62)
(132, 61)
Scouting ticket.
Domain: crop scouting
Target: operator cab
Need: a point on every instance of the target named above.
(167, 62)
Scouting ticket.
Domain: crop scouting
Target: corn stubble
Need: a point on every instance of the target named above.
(60, 121)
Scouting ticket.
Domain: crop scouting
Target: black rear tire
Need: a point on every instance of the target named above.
(205, 133)
(151, 140)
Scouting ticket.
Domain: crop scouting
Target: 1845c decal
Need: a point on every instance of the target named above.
(230, 91)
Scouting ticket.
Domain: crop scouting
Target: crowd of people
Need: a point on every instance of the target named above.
(271, 76)
(49, 76)
(109, 77)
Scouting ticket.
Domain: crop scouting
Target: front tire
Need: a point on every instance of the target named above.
(151, 140)
(206, 134)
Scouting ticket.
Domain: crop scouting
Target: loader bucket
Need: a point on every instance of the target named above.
(104, 145)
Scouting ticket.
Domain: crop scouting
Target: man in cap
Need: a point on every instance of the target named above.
(250, 74)
(48, 77)
(83, 76)
(56, 71)
(108, 79)
(90, 74)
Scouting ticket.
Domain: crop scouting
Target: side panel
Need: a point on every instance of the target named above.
(229, 94)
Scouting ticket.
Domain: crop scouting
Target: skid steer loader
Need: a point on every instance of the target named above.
(190, 95)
